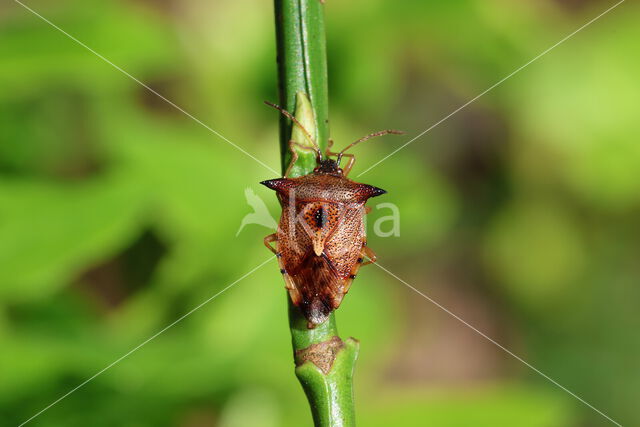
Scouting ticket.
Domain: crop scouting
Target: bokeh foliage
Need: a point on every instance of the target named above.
(118, 214)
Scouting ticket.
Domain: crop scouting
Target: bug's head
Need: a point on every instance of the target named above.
(328, 166)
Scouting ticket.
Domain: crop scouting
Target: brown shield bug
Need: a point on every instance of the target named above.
(321, 238)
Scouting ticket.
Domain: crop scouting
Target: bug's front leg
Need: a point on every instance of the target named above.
(329, 145)
(294, 155)
(370, 254)
(352, 158)
(350, 163)
(267, 242)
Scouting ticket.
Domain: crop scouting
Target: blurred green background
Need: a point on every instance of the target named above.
(118, 214)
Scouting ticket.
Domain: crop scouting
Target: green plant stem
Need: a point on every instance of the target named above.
(302, 66)
(324, 362)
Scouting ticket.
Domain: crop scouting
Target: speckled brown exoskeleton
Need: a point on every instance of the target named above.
(321, 238)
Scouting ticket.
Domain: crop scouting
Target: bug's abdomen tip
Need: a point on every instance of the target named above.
(318, 312)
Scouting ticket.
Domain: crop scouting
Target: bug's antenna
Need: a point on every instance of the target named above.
(364, 138)
(304, 130)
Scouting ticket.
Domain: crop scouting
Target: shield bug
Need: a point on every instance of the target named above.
(321, 238)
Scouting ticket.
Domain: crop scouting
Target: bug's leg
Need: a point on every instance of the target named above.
(294, 158)
(329, 145)
(328, 152)
(267, 242)
(352, 160)
(369, 253)
(288, 284)
(367, 210)
(294, 155)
